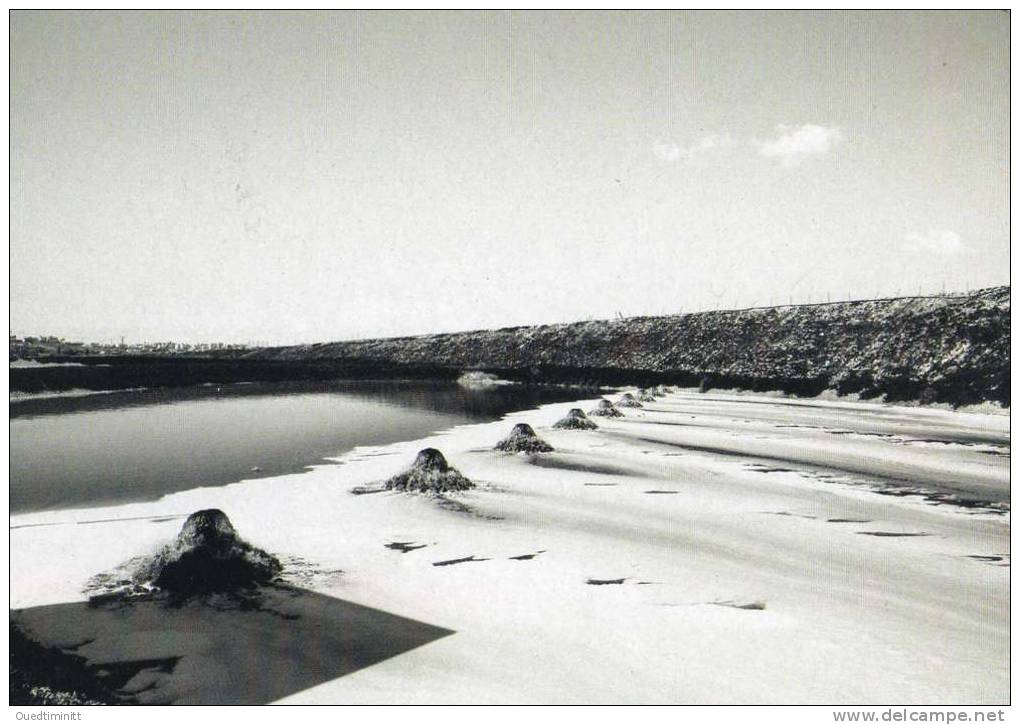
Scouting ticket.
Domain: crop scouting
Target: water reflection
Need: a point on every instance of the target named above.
(481, 403)
(139, 445)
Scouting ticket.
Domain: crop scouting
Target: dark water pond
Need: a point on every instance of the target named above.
(139, 445)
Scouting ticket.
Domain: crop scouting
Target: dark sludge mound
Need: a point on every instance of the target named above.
(606, 409)
(522, 439)
(208, 556)
(575, 420)
(646, 396)
(628, 401)
(430, 473)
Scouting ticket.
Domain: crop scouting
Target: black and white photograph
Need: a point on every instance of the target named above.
(510, 357)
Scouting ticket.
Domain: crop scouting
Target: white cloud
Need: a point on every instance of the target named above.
(943, 242)
(795, 143)
(715, 141)
(671, 152)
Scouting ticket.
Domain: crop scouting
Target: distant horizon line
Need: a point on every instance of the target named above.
(262, 345)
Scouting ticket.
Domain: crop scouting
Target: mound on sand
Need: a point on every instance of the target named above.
(660, 390)
(575, 420)
(430, 473)
(208, 556)
(522, 439)
(606, 409)
(646, 396)
(628, 401)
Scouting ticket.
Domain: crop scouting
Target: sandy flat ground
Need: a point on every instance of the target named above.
(708, 548)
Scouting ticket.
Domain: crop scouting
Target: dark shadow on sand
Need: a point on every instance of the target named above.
(227, 650)
(881, 478)
(570, 464)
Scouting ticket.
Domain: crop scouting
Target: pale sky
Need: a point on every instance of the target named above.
(294, 177)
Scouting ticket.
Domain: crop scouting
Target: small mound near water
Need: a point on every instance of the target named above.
(627, 400)
(606, 409)
(522, 439)
(646, 396)
(478, 379)
(208, 556)
(430, 473)
(575, 420)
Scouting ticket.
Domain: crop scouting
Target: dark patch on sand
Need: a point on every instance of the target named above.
(761, 468)
(404, 546)
(949, 499)
(601, 484)
(153, 519)
(661, 492)
(78, 645)
(526, 557)
(451, 562)
(715, 450)
(48, 523)
(750, 606)
(790, 514)
(604, 582)
(893, 533)
(849, 521)
(879, 482)
(985, 558)
(554, 461)
(116, 675)
(222, 650)
(858, 433)
(671, 422)
(953, 442)
(459, 507)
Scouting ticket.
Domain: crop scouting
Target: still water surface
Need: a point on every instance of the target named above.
(139, 445)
